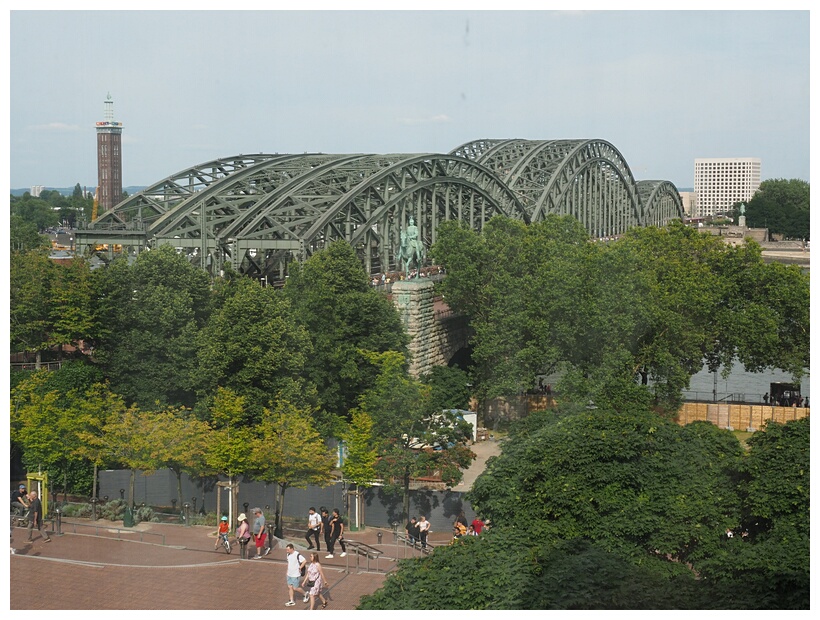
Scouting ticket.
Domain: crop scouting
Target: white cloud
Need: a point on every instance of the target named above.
(55, 126)
(438, 118)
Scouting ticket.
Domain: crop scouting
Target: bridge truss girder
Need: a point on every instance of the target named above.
(259, 212)
(588, 179)
(262, 215)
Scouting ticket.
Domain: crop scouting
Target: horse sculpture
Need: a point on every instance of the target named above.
(410, 250)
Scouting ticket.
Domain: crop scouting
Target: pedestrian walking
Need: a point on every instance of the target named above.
(259, 534)
(424, 530)
(35, 517)
(314, 528)
(296, 570)
(337, 528)
(325, 527)
(314, 581)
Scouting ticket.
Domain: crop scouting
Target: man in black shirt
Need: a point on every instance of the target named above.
(325, 526)
(18, 500)
(35, 517)
(412, 529)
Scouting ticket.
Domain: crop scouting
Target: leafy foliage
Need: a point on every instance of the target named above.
(252, 345)
(449, 388)
(360, 462)
(596, 510)
(654, 306)
(782, 206)
(415, 440)
(152, 313)
(344, 317)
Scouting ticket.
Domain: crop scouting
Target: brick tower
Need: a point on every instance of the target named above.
(109, 159)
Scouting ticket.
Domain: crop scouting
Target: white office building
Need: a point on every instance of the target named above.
(720, 183)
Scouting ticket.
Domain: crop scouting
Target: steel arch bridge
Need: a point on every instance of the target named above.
(259, 212)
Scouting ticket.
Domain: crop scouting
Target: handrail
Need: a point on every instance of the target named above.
(362, 549)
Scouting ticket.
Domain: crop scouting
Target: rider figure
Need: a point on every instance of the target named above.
(412, 233)
(18, 500)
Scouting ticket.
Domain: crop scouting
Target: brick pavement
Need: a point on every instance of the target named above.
(99, 568)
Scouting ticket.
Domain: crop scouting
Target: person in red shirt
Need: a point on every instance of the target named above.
(478, 525)
(223, 529)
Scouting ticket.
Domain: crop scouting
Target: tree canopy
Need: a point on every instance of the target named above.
(654, 306)
(782, 206)
(344, 317)
(593, 509)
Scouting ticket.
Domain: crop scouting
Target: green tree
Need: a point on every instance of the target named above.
(98, 407)
(253, 345)
(414, 440)
(25, 236)
(634, 483)
(37, 211)
(782, 206)
(127, 440)
(506, 575)
(290, 452)
(227, 450)
(344, 316)
(774, 555)
(178, 442)
(71, 303)
(361, 455)
(31, 278)
(655, 306)
(149, 317)
(625, 511)
(449, 388)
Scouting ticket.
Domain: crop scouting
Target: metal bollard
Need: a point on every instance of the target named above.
(58, 528)
(379, 536)
(94, 502)
(243, 549)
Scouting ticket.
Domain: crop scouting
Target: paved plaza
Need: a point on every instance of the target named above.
(101, 565)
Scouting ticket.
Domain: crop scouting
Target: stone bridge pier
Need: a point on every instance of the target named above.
(436, 333)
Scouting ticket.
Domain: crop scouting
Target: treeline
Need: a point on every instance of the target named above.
(782, 206)
(612, 510)
(628, 321)
(30, 216)
(221, 378)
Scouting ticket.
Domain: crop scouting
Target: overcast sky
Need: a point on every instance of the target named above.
(664, 87)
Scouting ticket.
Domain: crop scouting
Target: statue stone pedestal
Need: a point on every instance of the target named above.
(741, 221)
(414, 301)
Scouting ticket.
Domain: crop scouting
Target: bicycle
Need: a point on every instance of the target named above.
(225, 542)
(19, 517)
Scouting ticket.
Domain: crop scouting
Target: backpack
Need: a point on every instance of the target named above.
(302, 561)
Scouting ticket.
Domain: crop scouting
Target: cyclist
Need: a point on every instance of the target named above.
(19, 503)
(222, 532)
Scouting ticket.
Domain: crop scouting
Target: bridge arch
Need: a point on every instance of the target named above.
(259, 212)
(588, 179)
(661, 202)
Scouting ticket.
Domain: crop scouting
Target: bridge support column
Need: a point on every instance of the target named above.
(414, 301)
